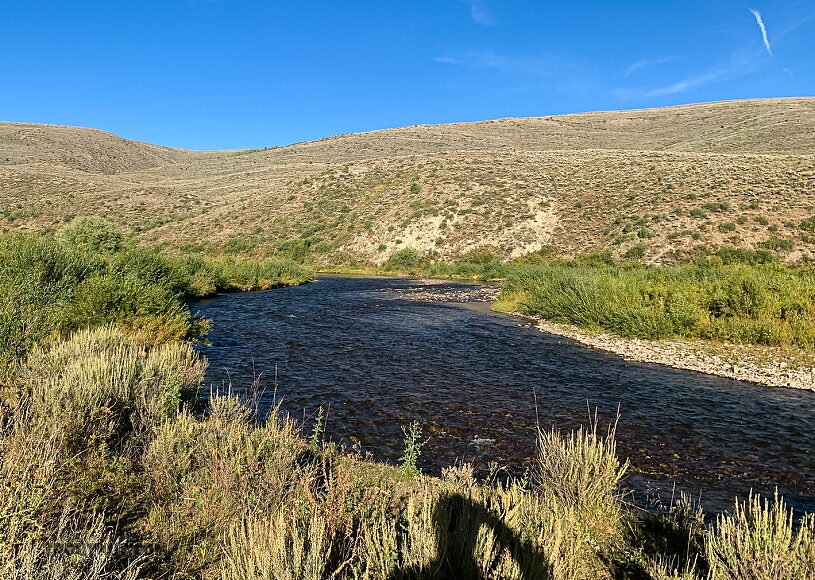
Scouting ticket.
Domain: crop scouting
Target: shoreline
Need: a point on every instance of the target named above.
(760, 365)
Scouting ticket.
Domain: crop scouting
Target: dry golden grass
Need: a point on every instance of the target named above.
(759, 542)
(629, 181)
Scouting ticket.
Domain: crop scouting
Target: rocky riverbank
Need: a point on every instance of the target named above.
(433, 290)
(772, 367)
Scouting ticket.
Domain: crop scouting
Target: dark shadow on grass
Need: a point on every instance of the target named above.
(457, 521)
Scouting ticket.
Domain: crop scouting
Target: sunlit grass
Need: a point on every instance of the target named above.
(767, 305)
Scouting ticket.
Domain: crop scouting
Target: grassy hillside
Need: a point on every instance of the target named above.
(654, 185)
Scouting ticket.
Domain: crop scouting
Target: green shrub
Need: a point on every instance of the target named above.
(777, 244)
(645, 233)
(731, 255)
(297, 249)
(698, 212)
(475, 265)
(635, 252)
(240, 245)
(808, 224)
(407, 260)
(92, 234)
(716, 206)
(739, 303)
(413, 448)
(759, 542)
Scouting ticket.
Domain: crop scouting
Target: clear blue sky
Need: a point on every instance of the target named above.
(214, 74)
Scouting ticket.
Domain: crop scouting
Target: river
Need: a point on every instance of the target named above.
(479, 383)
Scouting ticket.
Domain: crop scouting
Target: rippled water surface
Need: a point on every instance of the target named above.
(468, 376)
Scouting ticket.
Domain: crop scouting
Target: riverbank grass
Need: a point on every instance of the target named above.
(87, 275)
(763, 305)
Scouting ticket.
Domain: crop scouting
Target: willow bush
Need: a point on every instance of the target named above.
(766, 304)
(86, 276)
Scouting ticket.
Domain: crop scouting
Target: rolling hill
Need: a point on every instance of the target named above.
(651, 184)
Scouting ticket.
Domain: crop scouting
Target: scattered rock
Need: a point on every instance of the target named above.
(690, 355)
(439, 291)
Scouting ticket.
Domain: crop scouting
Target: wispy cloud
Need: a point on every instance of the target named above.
(689, 83)
(760, 22)
(480, 14)
(742, 61)
(513, 74)
(646, 63)
(530, 66)
(739, 63)
(446, 59)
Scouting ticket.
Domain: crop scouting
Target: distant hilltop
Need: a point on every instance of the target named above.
(655, 184)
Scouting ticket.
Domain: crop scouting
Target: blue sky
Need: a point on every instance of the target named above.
(217, 74)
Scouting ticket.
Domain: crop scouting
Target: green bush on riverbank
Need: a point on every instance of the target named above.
(87, 276)
(475, 265)
(768, 305)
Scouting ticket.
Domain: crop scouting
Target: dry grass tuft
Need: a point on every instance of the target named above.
(760, 542)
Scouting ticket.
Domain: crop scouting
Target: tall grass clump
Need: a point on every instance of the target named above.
(769, 305)
(102, 382)
(285, 545)
(759, 541)
(72, 425)
(206, 474)
(580, 471)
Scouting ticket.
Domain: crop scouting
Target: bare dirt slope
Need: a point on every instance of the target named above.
(651, 184)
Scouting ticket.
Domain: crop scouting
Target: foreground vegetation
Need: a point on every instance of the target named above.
(108, 469)
(107, 472)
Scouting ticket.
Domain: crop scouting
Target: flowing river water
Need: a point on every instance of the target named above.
(479, 383)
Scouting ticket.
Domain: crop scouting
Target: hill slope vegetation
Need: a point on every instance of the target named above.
(656, 185)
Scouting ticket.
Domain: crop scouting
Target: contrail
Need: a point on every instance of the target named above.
(760, 22)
